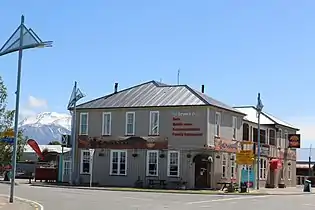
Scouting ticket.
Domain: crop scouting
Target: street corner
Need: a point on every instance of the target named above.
(19, 204)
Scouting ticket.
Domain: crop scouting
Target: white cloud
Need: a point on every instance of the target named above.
(33, 106)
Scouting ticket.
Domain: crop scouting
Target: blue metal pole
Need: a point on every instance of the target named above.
(73, 139)
(17, 107)
(258, 152)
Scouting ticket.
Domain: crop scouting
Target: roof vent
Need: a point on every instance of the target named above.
(116, 88)
(203, 88)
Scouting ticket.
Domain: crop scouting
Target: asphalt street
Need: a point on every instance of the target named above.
(73, 199)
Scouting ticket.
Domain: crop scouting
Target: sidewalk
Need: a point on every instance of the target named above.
(262, 191)
(16, 205)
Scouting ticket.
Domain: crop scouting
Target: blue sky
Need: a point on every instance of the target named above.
(235, 48)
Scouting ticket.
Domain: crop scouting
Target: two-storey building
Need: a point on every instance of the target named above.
(155, 131)
(274, 147)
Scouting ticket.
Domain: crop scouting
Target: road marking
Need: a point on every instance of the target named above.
(308, 204)
(141, 199)
(227, 199)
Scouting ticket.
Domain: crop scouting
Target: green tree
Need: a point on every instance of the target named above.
(6, 122)
(54, 143)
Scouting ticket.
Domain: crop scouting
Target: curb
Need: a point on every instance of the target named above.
(7, 182)
(36, 205)
(143, 190)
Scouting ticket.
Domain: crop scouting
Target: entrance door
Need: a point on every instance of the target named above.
(202, 167)
(66, 170)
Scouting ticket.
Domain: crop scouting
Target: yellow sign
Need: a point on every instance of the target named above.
(7, 134)
(245, 157)
(246, 142)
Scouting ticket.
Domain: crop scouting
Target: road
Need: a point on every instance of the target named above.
(72, 199)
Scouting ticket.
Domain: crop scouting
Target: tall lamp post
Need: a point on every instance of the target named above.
(20, 40)
(259, 108)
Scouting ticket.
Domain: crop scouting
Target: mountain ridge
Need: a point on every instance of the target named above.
(46, 126)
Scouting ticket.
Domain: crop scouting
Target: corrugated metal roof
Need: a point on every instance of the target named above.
(265, 118)
(154, 94)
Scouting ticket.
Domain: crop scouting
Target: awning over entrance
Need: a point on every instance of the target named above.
(275, 164)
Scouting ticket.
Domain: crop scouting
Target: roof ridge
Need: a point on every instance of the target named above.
(120, 91)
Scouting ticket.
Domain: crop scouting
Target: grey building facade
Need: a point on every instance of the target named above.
(274, 147)
(155, 131)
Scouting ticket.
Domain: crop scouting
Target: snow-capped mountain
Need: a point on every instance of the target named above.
(46, 126)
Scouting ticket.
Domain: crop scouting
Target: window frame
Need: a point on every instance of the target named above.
(234, 127)
(286, 136)
(87, 123)
(148, 163)
(289, 172)
(224, 166)
(217, 126)
(169, 163)
(110, 124)
(119, 162)
(233, 166)
(82, 161)
(133, 124)
(263, 169)
(158, 123)
(279, 138)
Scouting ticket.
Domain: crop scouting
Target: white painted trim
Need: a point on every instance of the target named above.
(110, 123)
(126, 123)
(169, 161)
(158, 123)
(63, 169)
(286, 136)
(118, 169)
(81, 161)
(87, 123)
(224, 158)
(234, 126)
(157, 162)
(215, 125)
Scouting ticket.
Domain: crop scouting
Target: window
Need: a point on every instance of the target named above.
(234, 126)
(263, 169)
(289, 173)
(152, 162)
(272, 137)
(85, 162)
(66, 167)
(130, 123)
(255, 134)
(279, 138)
(118, 162)
(286, 139)
(217, 123)
(84, 118)
(262, 136)
(245, 132)
(107, 123)
(173, 163)
(224, 165)
(154, 123)
(233, 166)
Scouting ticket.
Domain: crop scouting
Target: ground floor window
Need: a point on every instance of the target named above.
(85, 162)
(263, 169)
(224, 165)
(152, 162)
(289, 173)
(173, 163)
(118, 162)
(233, 166)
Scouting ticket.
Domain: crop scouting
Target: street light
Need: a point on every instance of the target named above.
(259, 108)
(18, 42)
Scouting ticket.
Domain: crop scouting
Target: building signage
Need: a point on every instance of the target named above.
(264, 151)
(294, 140)
(183, 128)
(226, 145)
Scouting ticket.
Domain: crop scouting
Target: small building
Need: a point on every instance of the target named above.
(273, 146)
(154, 132)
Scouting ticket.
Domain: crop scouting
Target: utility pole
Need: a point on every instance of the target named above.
(259, 108)
(310, 161)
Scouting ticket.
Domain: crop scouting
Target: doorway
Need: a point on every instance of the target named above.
(66, 170)
(202, 171)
